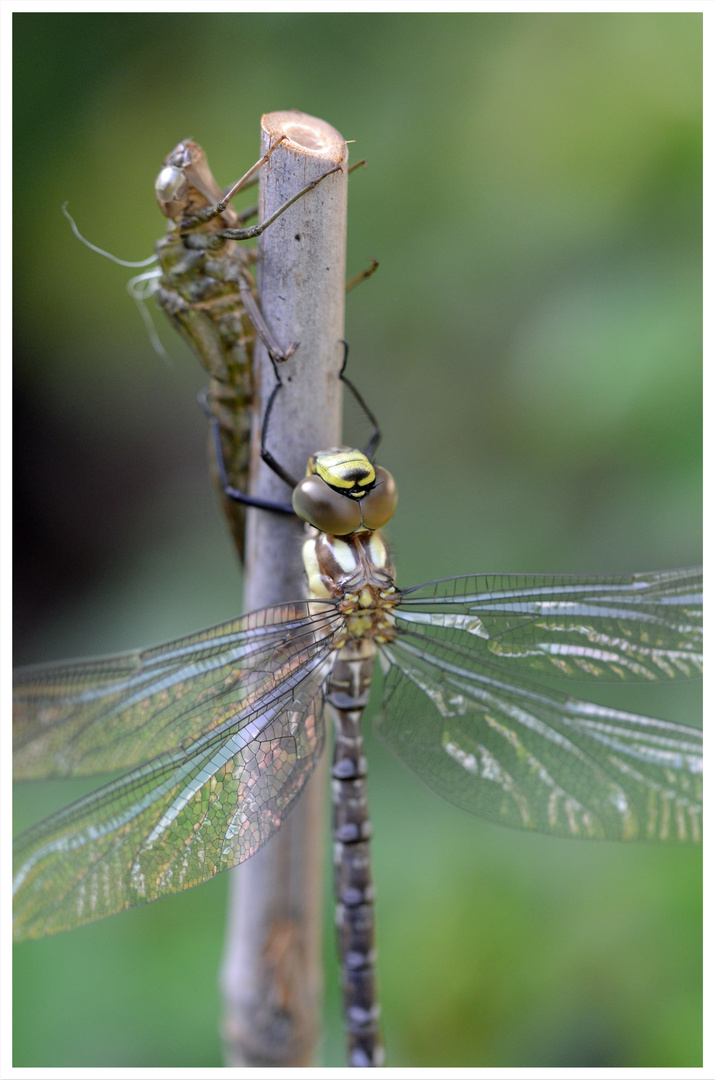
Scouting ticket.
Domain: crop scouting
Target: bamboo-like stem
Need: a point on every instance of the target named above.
(272, 970)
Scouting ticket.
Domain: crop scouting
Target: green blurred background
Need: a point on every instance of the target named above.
(531, 344)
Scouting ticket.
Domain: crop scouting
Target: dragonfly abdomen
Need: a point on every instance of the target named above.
(356, 572)
(202, 297)
(354, 893)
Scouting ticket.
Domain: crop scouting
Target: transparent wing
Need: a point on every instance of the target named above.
(641, 626)
(176, 821)
(116, 712)
(528, 757)
(233, 718)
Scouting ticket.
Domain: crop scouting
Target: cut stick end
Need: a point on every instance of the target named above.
(306, 135)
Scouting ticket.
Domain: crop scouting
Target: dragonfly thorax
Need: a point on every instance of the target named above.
(357, 572)
(343, 493)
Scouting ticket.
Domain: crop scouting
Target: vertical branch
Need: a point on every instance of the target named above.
(272, 970)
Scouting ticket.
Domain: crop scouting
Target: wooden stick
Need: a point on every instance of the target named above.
(272, 971)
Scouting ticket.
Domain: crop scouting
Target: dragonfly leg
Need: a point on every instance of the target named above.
(376, 433)
(266, 455)
(256, 230)
(211, 212)
(261, 327)
(228, 489)
(252, 211)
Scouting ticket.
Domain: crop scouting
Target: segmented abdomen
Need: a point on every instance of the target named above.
(348, 692)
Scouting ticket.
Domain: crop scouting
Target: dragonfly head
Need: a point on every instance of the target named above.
(186, 184)
(343, 492)
(172, 184)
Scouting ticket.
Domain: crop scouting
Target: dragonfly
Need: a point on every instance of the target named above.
(203, 278)
(205, 284)
(219, 730)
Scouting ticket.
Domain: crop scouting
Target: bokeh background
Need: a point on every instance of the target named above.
(532, 345)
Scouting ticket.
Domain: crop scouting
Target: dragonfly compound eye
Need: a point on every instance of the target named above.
(171, 189)
(379, 504)
(328, 510)
(344, 492)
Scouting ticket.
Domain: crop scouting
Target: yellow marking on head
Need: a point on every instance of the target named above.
(344, 470)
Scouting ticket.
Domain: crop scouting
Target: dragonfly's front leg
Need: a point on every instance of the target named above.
(260, 325)
(211, 212)
(254, 230)
(228, 489)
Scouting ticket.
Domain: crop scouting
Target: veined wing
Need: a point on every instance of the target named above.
(639, 626)
(178, 820)
(525, 756)
(116, 712)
